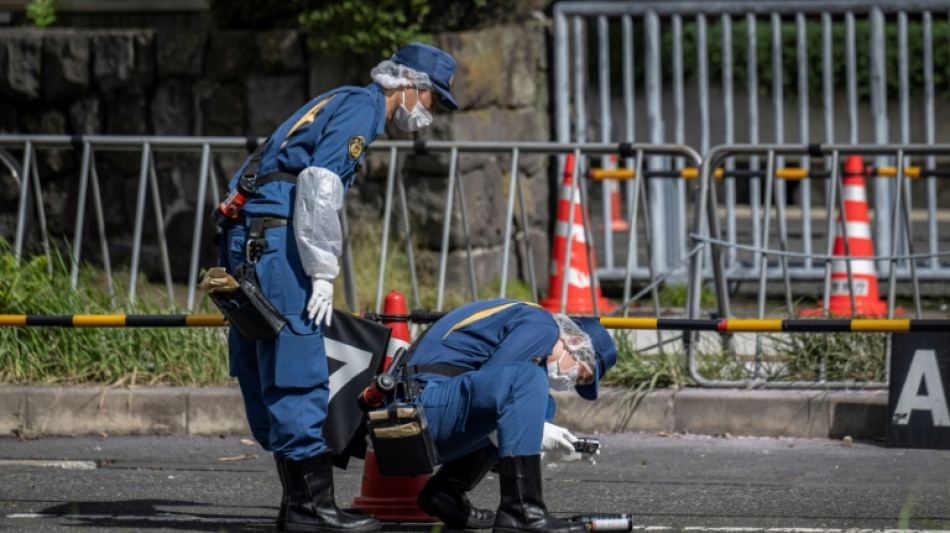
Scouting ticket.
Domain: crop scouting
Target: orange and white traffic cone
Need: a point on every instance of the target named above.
(579, 296)
(863, 273)
(392, 498)
(617, 221)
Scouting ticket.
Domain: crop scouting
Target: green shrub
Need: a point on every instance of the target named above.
(359, 27)
(261, 14)
(41, 12)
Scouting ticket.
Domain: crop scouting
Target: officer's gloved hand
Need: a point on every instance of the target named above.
(557, 440)
(320, 306)
(555, 458)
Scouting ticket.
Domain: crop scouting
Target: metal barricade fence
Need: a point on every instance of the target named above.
(752, 257)
(209, 186)
(612, 58)
(514, 150)
(31, 200)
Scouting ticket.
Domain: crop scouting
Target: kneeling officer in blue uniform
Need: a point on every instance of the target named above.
(487, 367)
(289, 226)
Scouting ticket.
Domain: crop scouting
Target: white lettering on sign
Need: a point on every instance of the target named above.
(923, 370)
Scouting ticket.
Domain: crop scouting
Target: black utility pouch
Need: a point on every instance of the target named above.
(247, 308)
(401, 441)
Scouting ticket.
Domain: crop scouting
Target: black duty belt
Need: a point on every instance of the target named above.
(269, 222)
(266, 223)
(255, 235)
(443, 369)
(450, 370)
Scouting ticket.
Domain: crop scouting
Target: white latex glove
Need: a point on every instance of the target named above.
(557, 440)
(321, 301)
(553, 459)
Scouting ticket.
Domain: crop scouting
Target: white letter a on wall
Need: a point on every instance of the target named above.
(923, 371)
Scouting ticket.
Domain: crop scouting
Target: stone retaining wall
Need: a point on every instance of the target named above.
(193, 82)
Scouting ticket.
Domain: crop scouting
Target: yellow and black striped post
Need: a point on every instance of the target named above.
(763, 325)
(724, 325)
(114, 321)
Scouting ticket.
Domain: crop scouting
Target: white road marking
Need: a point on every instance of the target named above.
(805, 530)
(258, 520)
(66, 465)
(148, 518)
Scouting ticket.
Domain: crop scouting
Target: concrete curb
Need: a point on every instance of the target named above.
(767, 413)
(43, 411)
(56, 411)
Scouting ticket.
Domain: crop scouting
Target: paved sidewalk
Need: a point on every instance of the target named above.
(48, 411)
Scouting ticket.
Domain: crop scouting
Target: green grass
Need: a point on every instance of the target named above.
(160, 356)
(669, 368)
(366, 256)
(676, 296)
(833, 357)
(648, 372)
(108, 356)
(198, 356)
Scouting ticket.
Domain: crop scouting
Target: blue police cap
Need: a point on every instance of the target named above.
(605, 353)
(439, 65)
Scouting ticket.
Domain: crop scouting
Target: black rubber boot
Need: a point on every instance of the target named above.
(443, 496)
(522, 504)
(282, 513)
(311, 505)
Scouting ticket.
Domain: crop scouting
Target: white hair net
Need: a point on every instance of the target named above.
(394, 75)
(576, 341)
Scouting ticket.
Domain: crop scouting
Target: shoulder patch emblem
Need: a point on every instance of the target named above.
(356, 146)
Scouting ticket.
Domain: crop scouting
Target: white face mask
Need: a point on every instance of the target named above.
(415, 120)
(560, 380)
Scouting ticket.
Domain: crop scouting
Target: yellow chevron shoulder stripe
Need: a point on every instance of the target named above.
(307, 118)
(475, 317)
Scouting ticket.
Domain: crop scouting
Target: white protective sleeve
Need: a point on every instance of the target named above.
(317, 222)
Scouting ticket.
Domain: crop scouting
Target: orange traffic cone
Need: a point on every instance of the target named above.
(392, 498)
(579, 298)
(617, 222)
(864, 276)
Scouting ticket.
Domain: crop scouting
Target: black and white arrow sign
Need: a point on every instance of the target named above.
(355, 348)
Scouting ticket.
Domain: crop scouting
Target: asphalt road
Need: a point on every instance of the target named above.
(668, 483)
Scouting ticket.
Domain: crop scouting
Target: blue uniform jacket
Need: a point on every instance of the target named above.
(331, 131)
(489, 332)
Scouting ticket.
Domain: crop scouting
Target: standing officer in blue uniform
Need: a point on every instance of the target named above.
(303, 172)
(486, 368)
